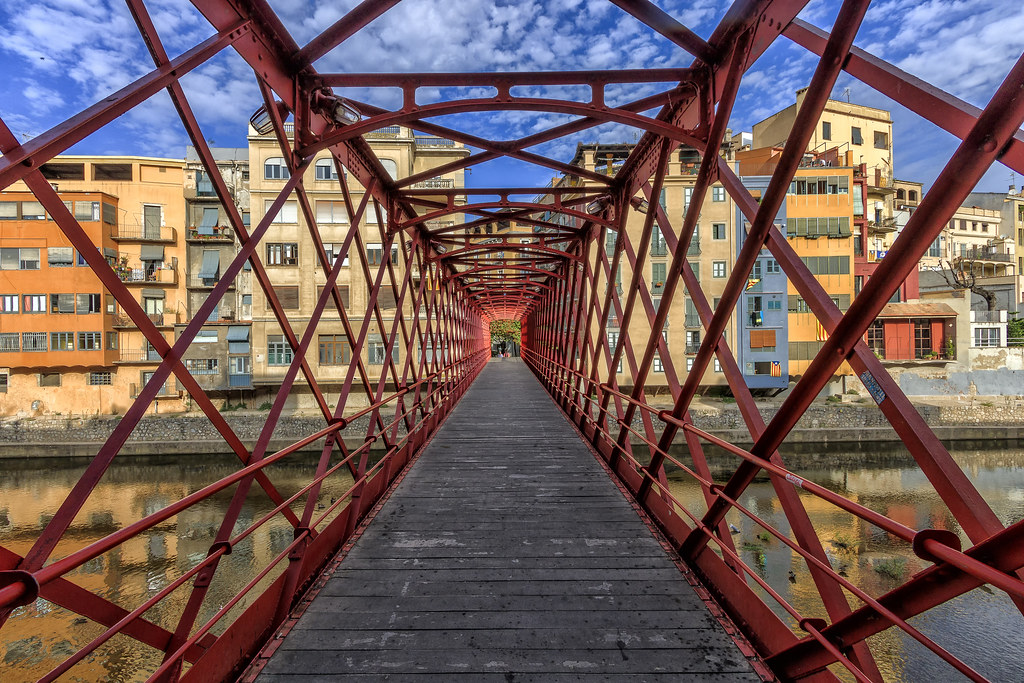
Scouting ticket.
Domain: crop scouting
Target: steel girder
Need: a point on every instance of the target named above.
(551, 271)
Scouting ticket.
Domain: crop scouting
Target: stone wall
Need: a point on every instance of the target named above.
(845, 422)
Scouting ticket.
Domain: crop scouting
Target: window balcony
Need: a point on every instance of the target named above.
(168, 390)
(429, 141)
(147, 356)
(220, 234)
(240, 380)
(385, 132)
(140, 276)
(140, 233)
(158, 319)
(694, 248)
(196, 282)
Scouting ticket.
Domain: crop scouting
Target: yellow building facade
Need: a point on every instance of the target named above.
(288, 253)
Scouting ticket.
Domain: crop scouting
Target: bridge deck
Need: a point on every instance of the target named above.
(507, 554)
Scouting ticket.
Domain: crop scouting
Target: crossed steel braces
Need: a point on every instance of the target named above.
(560, 283)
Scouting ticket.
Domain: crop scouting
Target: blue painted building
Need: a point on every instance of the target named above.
(762, 347)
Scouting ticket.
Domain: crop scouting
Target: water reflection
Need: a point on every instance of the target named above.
(983, 628)
(41, 635)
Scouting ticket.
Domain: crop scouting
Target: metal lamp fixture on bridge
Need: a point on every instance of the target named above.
(263, 122)
(336, 108)
(596, 206)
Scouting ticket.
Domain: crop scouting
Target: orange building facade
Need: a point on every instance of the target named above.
(66, 346)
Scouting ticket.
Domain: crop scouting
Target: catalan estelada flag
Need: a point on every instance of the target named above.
(751, 283)
(819, 331)
(776, 369)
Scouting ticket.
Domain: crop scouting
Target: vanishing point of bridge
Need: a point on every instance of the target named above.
(507, 550)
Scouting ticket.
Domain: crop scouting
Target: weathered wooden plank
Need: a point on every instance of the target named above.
(507, 554)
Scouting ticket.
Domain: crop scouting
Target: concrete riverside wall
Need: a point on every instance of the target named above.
(972, 424)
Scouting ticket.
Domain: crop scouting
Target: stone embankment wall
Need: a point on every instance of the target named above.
(966, 424)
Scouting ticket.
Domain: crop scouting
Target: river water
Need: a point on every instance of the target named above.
(982, 627)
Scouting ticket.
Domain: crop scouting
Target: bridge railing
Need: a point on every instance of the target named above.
(670, 513)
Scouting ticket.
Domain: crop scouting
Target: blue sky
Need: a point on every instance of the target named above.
(59, 56)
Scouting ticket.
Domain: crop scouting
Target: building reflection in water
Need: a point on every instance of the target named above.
(41, 635)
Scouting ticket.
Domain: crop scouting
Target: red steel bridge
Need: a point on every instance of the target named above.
(558, 286)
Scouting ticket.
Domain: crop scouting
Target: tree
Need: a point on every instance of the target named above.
(506, 331)
(1015, 331)
(961, 278)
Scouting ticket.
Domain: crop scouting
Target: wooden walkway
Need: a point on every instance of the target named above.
(507, 554)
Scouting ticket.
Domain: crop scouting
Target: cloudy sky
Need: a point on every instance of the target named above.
(59, 56)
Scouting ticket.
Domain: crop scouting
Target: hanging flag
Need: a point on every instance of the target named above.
(819, 329)
(751, 283)
(776, 369)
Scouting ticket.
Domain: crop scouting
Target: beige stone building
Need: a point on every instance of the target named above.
(863, 132)
(711, 255)
(288, 254)
(132, 209)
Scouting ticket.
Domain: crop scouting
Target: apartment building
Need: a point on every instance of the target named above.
(711, 254)
(220, 358)
(1011, 211)
(288, 254)
(97, 360)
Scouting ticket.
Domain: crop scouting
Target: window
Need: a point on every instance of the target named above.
(5, 379)
(278, 350)
(33, 341)
(8, 303)
(282, 254)
(238, 365)
(855, 136)
(912, 195)
(331, 212)
(62, 303)
(334, 349)
(718, 193)
(689, 364)
(391, 167)
(102, 378)
(826, 130)
(287, 296)
(60, 257)
(49, 379)
(827, 265)
(609, 241)
(692, 341)
(658, 245)
(206, 335)
(111, 340)
(718, 269)
(658, 367)
(33, 303)
(202, 366)
(658, 276)
(375, 253)
(771, 266)
(62, 341)
(274, 168)
(10, 341)
(19, 259)
(718, 231)
(153, 305)
(881, 140)
(332, 252)
(87, 211)
(986, 336)
(80, 261)
(370, 214)
(762, 340)
(9, 211)
(687, 196)
(773, 305)
(325, 170)
(289, 212)
(377, 350)
(922, 338)
(90, 341)
(718, 366)
(32, 211)
(87, 303)
(876, 338)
